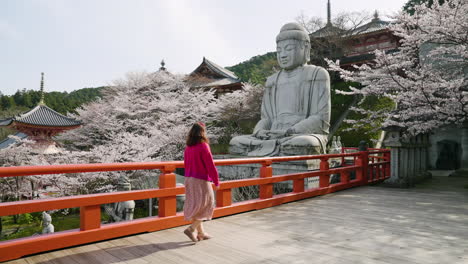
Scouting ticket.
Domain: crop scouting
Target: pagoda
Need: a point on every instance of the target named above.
(354, 46)
(41, 123)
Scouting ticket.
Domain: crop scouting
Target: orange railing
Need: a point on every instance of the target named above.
(91, 229)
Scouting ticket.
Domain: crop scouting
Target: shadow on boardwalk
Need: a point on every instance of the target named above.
(371, 224)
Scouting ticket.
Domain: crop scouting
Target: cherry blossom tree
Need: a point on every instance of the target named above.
(24, 153)
(426, 78)
(237, 109)
(144, 117)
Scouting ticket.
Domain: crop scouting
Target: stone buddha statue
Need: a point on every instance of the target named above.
(47, 226)
(295, 112)
(121, 211)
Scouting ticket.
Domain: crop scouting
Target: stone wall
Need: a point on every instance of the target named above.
(243, 171)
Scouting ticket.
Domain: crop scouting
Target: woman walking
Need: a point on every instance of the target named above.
(200, 171)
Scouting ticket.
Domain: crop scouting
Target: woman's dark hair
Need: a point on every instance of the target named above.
(197, 134)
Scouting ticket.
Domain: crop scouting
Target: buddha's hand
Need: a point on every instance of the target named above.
(290, 132)
(276, 134)
(262, 134)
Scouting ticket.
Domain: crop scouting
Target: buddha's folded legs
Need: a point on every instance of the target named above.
(303, 145)
(288, 146)
(251, 146)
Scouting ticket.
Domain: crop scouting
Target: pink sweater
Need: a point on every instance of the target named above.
(199, 163)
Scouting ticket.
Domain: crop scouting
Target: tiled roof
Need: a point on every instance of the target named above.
(226, 73)
(42, 115)
(328, 30)
(217, 76)
(218, 82)
(8, 141)
(5, 122)
(217, 69)
(376, 24)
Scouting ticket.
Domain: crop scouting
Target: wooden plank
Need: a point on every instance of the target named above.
(371, 224)
(92, 254)
(122, 251)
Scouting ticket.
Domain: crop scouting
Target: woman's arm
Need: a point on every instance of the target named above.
(207, 158)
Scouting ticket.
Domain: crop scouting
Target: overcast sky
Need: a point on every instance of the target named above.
(89, 43)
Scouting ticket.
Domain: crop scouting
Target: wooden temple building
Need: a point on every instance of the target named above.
(40, 124)
(209, 75)
(364, 40)
(354, 46)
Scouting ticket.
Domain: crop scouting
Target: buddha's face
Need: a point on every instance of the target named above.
(291, 53)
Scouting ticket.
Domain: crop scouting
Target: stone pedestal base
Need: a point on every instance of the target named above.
(243, 171)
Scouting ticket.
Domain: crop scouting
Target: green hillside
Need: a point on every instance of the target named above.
(256, 69)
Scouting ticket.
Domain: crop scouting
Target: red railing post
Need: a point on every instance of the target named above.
(298, 185)
(90, 217)
(167, 179)
(344, 177)
(266, 171)
(363, 163)
(343, 160)
(223, 197)
(324, 180)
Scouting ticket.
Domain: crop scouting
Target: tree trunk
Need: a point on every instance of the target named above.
(342, 117)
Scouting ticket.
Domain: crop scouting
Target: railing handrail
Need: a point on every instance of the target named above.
(368, 169)
(30, 206)
(155, 165)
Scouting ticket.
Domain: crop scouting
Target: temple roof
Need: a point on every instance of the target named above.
(42, 115)
(374, 25)
(215, 68)
(210, 74)
(327, 31)
(10, 140)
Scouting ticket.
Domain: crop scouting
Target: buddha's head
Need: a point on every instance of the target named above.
(292, 46)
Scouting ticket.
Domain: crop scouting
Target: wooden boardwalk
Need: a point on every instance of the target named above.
(372, 224)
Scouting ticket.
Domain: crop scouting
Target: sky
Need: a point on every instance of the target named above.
(90, 43)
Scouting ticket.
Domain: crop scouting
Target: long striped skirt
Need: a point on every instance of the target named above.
(199, 199)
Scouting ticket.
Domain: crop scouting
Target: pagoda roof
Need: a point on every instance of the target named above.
(376, 24)
(327, 31)
(42, 115)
